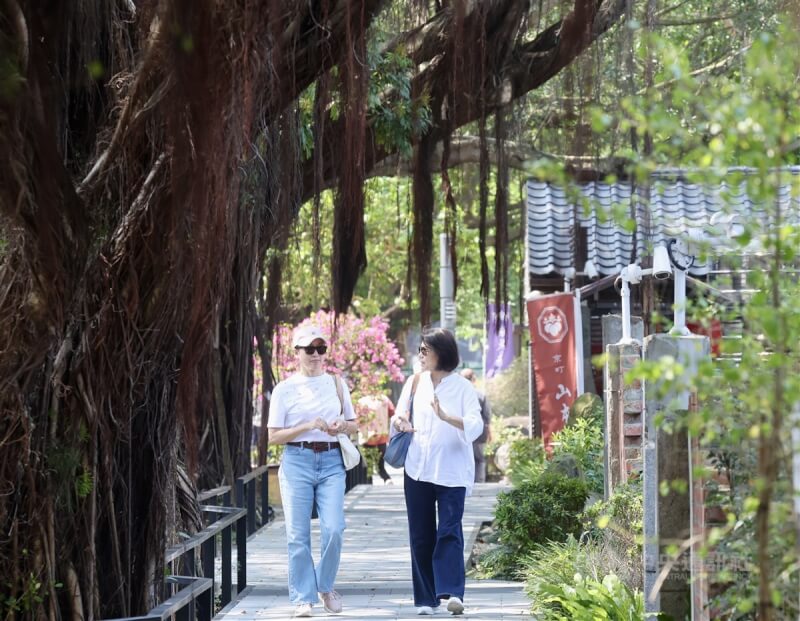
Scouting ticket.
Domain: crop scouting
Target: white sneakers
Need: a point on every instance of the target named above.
(302, 610)
(427, 610)
(455, 605)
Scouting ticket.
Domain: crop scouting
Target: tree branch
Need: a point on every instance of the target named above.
(665, 23)
(531, 65)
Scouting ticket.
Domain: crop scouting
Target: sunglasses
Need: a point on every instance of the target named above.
(310, 349)
(423, 350)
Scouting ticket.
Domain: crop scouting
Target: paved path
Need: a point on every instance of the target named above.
(375, 573)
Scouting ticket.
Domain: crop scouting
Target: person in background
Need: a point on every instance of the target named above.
(439, 471)
(306, 413)
(374, 412)
(479, 446)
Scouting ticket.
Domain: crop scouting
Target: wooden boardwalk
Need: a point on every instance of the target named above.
(375, 573)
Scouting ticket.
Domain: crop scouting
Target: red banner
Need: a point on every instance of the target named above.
(556, 346)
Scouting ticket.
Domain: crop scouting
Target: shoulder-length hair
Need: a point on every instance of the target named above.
(444, 345)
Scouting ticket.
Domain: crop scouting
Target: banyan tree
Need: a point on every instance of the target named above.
(151, 161)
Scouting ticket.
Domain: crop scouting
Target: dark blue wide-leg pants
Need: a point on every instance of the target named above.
(437, 552)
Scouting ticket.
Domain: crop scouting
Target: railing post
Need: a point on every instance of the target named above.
(191, 561)
(241, 554)
(207, 553)
(226, 566)
(264, 497)
(251, 507)
(205, 602)
(186, 613)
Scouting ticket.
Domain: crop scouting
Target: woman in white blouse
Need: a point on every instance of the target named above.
(439, 470)
(306, 413)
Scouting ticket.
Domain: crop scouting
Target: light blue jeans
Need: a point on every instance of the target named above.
(306, 476)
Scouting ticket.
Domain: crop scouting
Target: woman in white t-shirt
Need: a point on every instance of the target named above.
(305, 414)
(439, 470)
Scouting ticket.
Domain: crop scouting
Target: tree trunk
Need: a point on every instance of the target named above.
(122, 252)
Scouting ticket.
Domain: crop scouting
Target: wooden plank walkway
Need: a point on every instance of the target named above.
(375, 573)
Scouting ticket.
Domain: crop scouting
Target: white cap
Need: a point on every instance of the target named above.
(305, 335)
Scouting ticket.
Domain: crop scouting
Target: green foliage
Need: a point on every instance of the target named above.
(619, 520)
(584, 440)
(526, 460)
(505, 389)
(589, 600)
(501, 562)
(372, 456)
(544, 509)
(571, 580)
(397, 119)
(25, 601)
(274, 453)
(709, 123)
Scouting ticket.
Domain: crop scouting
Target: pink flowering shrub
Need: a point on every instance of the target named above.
(360, 351)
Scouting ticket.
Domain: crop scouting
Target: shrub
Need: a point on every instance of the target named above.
(619, 519)
(588, 599)
(526, 460)
(584, 440)
(559, 563)
(544, 509)
(498, 562)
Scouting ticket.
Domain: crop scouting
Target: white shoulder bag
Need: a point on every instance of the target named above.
(350, 453)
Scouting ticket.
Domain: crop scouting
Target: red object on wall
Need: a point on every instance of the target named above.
(553, 335)
(711, 329)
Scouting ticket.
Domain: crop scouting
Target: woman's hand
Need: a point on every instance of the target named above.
(443, 416)
(401, 423)
(437, 409)
(318, 423)
(336, 427)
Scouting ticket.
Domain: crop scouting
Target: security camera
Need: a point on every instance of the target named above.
(661, 264)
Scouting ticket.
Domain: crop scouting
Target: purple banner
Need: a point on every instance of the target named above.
(499, 340)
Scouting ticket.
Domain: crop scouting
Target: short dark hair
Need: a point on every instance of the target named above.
(444, 345)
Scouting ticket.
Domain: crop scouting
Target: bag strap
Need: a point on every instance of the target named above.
(411, 398)
(338, 383)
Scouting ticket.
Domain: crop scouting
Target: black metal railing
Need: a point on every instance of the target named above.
(222, 522)
(195, 598)
(258, 514)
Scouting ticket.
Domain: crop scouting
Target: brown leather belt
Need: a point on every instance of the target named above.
(317, 447)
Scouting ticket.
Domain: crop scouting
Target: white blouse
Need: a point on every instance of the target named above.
(440, 453)
(299, 399)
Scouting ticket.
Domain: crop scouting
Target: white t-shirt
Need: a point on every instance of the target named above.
(299, 399)
(440, 453)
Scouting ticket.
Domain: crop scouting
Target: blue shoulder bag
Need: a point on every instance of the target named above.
(398, 445)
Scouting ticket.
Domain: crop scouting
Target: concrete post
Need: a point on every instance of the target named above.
(667, 519)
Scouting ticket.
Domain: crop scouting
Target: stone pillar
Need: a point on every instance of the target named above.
(623, 403)
(697, 511)
(667, 519)
(623, 415)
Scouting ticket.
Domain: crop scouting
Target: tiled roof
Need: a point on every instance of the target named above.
(675, 205)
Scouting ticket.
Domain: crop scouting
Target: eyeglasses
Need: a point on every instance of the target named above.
(310, 349)
(423, 350)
